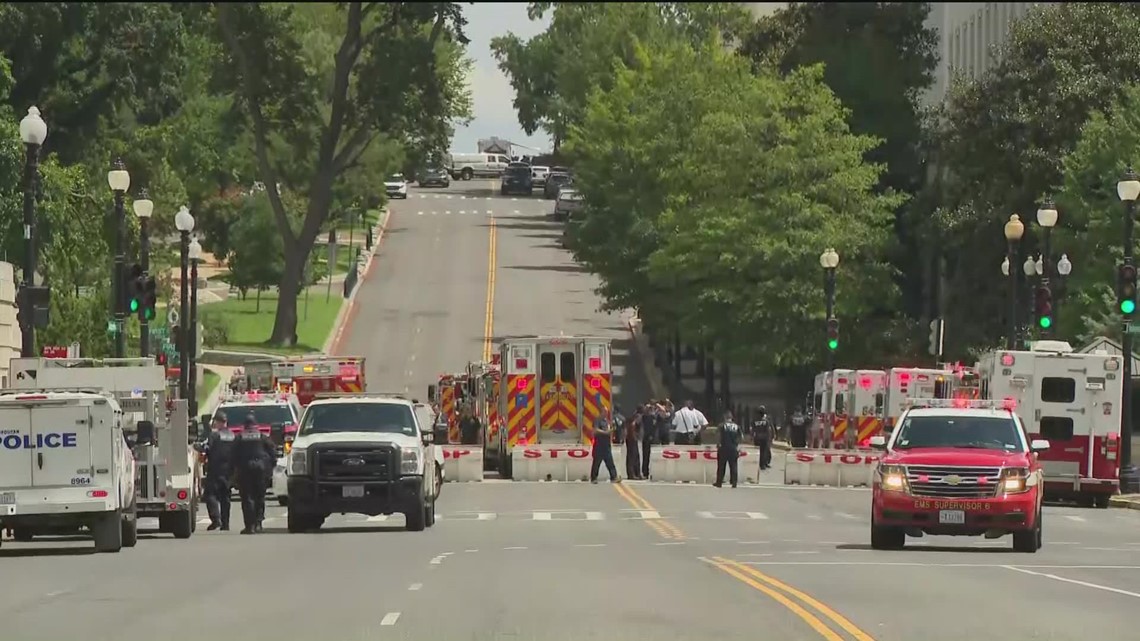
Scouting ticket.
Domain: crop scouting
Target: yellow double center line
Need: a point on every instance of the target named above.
(792, 599)
(666, 529)
(489, 320)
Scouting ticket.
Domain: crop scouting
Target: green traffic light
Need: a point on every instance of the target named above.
(149, 313)
(134, 305)
(1127, 306)
(1045, 322)
(833, 344)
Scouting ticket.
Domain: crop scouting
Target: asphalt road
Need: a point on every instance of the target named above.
(561, 561)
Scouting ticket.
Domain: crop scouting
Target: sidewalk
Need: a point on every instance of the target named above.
(1127, 501)
(344, 317)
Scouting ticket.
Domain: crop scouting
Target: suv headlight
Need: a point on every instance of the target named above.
(1015, 480)
(298, 464)
(892, 478)
(409, 461)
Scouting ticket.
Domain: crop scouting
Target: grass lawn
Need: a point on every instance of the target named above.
(210, 381)
(248, 329)
(344, 258)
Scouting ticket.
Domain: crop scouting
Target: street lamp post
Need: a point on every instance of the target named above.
(144, 208)
(1128, 189)
(1032, 269)
(829, 261)
(1014, 230)
(1064, 268)
(1047, 218)
(33, 132)
(195, 254)
(184, 222)
(120, 181)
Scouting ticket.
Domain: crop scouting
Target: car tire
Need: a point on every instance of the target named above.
(429, 514)
(1101, 501)
(130, 527)
(887, 538)
(108, 533)
(438, 481)
(183, 523)
(416, 517)
(466, 174)
(297, 523)
(23, 535)
(1029, 541)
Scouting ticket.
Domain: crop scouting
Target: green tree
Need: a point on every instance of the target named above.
(878, 58)
(712, 191)
(320, 85)
(256, 254)
(1002, 140)
(554, 72)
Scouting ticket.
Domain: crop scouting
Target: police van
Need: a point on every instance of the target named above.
(65, 464)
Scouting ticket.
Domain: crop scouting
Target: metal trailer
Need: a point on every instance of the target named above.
(168, 472)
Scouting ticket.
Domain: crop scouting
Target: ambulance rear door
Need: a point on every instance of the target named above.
(869, 397)
(558, 391)
(1063, 414)
(843, 382)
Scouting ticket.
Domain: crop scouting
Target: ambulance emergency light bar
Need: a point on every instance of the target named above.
(256, 397)
(1009, 404)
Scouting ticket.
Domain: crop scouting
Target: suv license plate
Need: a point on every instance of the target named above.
(353, 491)
(952, 517)
(7, 498)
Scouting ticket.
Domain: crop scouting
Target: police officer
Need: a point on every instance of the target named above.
(728, 451)
(762, 437)
(254, 457)
(219, 451)
(603, 450)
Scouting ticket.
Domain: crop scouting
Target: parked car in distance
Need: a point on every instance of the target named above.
(568, 202)
(539, 174)
(555, 181)
(396, 186)
(517, 180)
(434, 176)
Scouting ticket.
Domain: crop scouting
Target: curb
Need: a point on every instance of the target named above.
(1124, 502)
(344, 317)
(652, 372)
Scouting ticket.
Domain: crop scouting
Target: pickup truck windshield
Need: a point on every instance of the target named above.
(977, 432)
(358, 417)
(262, 414)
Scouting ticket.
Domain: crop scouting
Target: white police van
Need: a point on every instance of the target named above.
(65, 464)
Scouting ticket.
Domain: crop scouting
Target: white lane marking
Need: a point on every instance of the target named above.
(515, 199)
(489, 212)
(757, 515)
(516, 547)
(1074, 517)
(649, 514)
(463, 211)
(671, 543)
(1086, 584)
(756, 554)
(447, 213)
(755, 542)
(542, 516)
(804, 552)
(815, 517)
(595, 516)
(390, 619)
(415, 587)
(1064, 543)
(419, 213)
(516, 212)
(471, 550)
(845, 515)
(377, 519)
(832, 542)
(590, 545)
(437, 560)
(450, 197)
(55, 593)
(412, 358)
(1112, 549)
(446, 553)
(722, 540)
(488, 516)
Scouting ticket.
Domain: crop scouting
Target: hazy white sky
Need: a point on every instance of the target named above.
(491, 91)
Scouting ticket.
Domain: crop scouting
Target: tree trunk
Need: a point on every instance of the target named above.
(285, 320)
(257, 307)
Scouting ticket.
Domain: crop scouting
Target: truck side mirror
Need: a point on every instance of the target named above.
(144, 433)
(878, 442)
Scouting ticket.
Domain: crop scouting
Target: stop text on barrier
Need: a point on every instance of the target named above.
(693, 455)
(557, 452)
(844, 459)
(455, 453)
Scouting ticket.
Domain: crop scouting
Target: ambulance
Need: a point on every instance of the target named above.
(552, 391)
(483, 383)
(449, 392)
(1073, 401)
(276, 415)
(833, 404)
(308, 376)
(905, 384)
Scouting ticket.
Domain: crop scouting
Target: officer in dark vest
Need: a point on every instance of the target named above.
(728, 451)
(254, 458)
(219, 451)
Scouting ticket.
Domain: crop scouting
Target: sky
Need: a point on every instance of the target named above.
(491, 90)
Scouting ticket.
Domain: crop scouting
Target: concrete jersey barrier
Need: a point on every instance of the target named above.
(670, 463)
(830, 468)
(462, 463)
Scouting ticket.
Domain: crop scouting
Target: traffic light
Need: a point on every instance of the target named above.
(134, 289)
(1044, 306)
(935, 346)
(1126, 289)
(833, 334)
(149, 299)
(37, 299)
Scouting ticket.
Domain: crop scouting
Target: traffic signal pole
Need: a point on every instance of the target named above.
(144, 258)
(1129, 476)
(829, 285)
(120, 290)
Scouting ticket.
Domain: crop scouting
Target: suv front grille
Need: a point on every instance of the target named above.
(346, 463)
(953, 481)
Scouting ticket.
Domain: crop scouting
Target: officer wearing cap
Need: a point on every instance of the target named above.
(219, 450)
(254, 457)
(728, 451)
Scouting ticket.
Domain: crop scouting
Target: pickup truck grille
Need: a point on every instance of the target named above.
(346, 463)
(953, 482)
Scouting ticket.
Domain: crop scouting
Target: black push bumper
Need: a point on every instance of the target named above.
(380, 497)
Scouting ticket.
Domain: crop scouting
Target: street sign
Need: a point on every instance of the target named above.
(172, 316)
(55, 351)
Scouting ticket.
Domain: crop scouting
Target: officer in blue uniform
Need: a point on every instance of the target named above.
(254, 458)
(728, 451)
(219, 451)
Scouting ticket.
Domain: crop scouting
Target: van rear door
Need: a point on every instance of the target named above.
(61, 438)
(15, 459)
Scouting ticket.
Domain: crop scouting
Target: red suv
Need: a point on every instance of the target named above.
(961, 468)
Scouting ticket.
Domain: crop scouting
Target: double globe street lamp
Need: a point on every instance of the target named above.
(184, 223)
(144, 209)
(1128, 190)
(195, 254)
(119, 180)
(1014, 229)
(33, 133)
